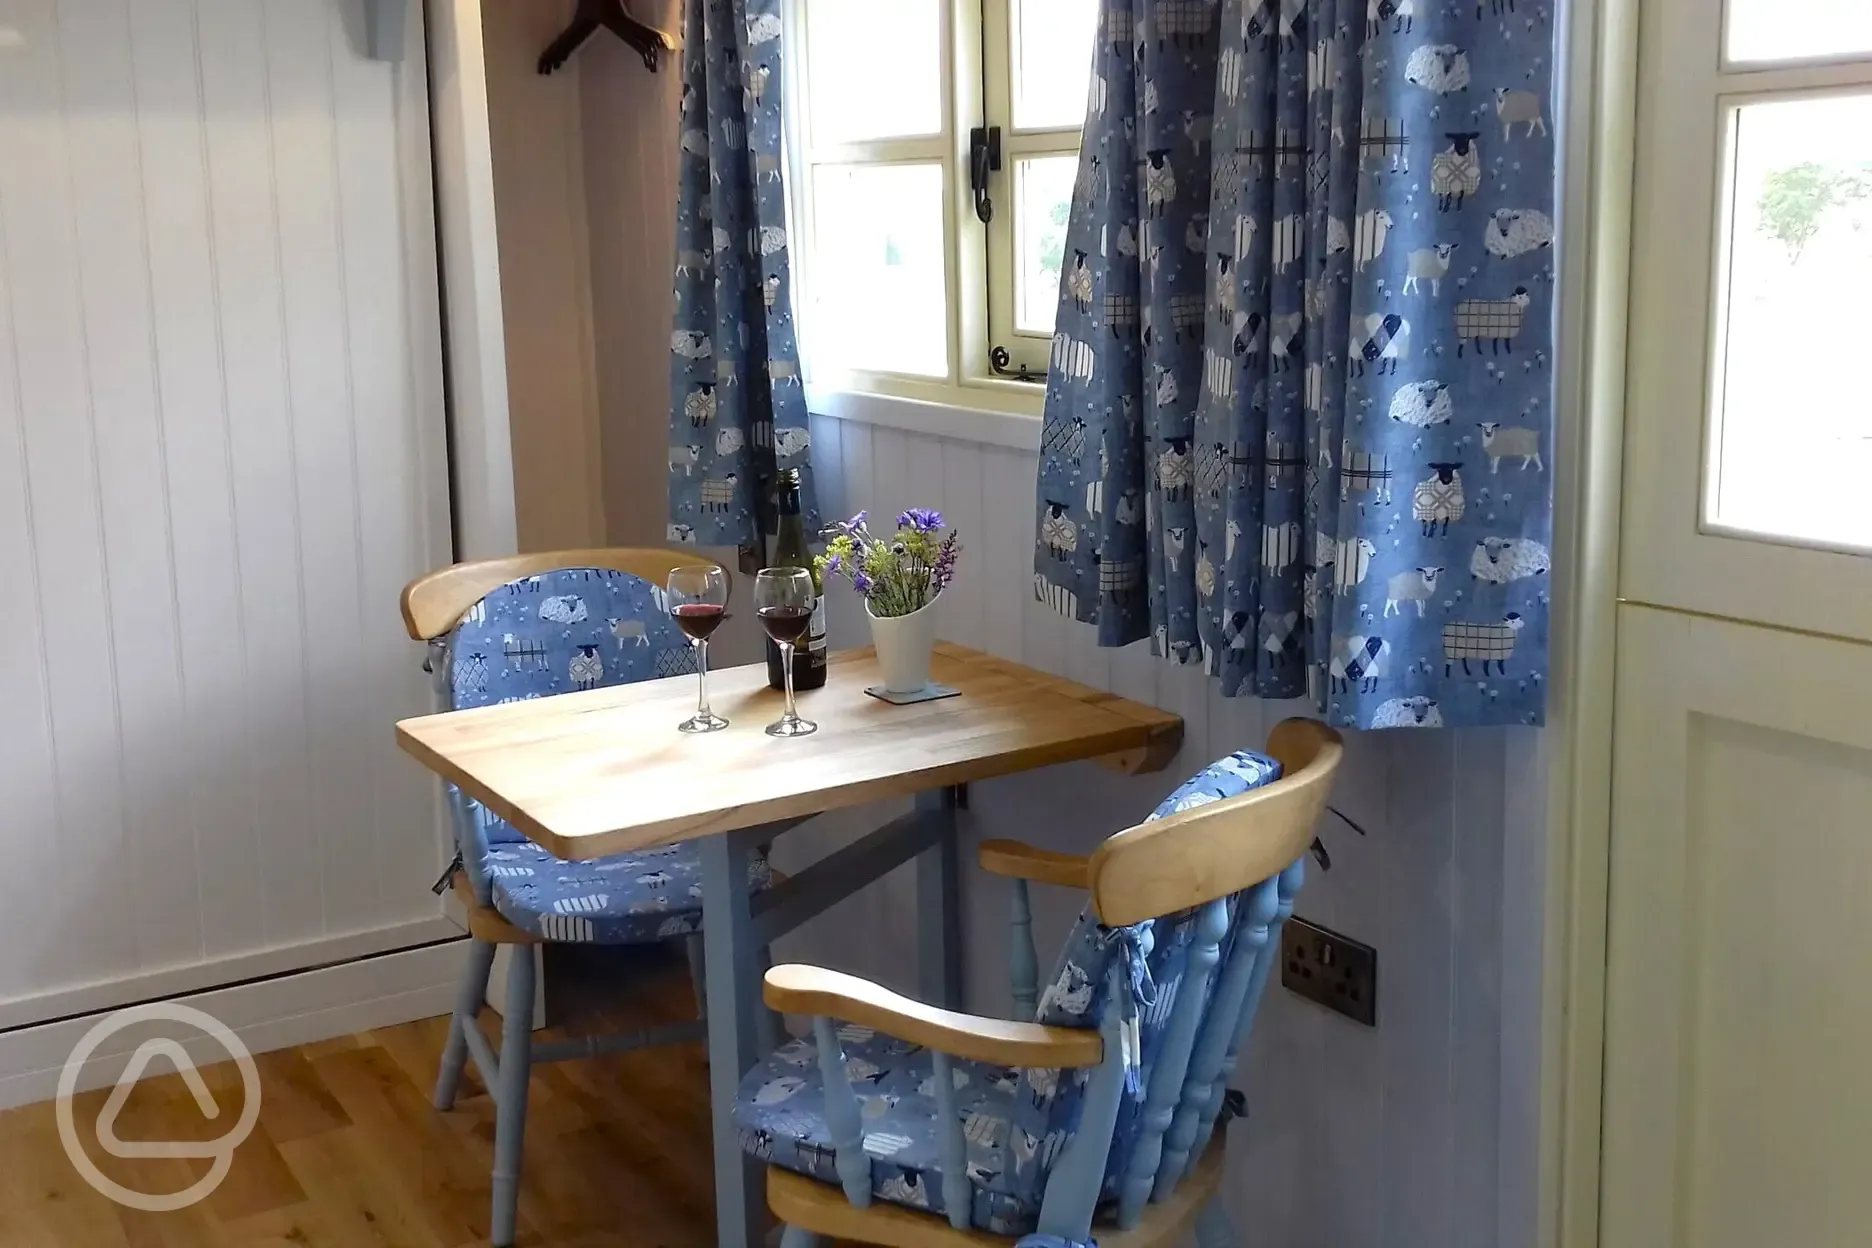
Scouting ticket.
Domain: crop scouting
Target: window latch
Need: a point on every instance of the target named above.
(984, 159)
(999, 360)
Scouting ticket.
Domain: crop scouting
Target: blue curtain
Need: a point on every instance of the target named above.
(737, 409)
(1361, 517)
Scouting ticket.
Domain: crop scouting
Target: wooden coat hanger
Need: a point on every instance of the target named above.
(609, 14)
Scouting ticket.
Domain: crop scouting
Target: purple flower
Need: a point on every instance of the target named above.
(833, 563)
(857, 521)
(862, 583)
(943, 572)
(922, 519)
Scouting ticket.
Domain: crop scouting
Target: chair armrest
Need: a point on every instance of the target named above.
(1020, 861)
(799, 989)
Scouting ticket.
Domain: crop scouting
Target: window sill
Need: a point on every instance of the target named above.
(1018, 431)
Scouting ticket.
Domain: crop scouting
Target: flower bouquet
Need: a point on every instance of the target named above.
(900, 576)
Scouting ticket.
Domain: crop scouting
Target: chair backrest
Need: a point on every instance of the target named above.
(1207, 848)
(1178, 940)
(435, 603)
(550, 629)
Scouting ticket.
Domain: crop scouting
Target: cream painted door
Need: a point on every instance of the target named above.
(1738, 1064)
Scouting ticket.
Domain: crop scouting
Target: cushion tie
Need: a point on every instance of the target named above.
(1135, 945)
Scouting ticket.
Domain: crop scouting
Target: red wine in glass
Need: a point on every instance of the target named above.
(786, 625)
(698, 620)
(783, 600)
(697, 597)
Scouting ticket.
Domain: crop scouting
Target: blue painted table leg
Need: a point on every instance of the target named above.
(731, 952)
(939, 908)
(1214, 1228)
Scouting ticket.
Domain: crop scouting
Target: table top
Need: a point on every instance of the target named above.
(605, 771)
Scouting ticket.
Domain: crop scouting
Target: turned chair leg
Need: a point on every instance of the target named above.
(510, 1098)
(769, 1027)
(1213, 1227)
(793, 1237)
(468, 999)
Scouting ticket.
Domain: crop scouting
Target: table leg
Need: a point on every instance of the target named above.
(732, 957)
(939, 908)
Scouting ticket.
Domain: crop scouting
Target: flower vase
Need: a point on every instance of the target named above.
(904, 643)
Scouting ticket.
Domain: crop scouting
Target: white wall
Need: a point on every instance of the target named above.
(220, 459)
(1417, 1134)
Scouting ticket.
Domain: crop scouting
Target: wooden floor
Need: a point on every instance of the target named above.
(349, 1154)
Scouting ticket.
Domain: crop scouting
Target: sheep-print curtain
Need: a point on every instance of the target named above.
(737, 409)
(1359, 517)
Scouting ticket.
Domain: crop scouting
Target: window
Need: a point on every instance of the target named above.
(1792, 438)
(900, 287)
(1789, 442)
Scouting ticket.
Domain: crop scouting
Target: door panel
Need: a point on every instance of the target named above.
(221, 457)
(1737, 1107)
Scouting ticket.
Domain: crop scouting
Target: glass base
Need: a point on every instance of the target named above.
(792, 726)
(705, 722)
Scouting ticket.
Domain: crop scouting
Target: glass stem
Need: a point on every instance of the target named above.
(786, 664)
(702, 706)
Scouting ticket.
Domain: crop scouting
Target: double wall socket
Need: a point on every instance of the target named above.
(1336, 971)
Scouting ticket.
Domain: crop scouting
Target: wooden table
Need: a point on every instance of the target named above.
(605, 771)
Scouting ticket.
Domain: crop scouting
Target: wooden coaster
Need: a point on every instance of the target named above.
(931, 692)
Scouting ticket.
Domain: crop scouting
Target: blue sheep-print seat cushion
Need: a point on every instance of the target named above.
(780, 1118)
(561, 632)
(625, 899)
(1015, 1121)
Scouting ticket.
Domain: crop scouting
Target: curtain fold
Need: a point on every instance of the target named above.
(737, 407)
(1299, 411)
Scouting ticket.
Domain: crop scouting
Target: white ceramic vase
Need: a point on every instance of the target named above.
(903, 646)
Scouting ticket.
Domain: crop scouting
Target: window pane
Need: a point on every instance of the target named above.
(1769, 30)
(1795, 427)
(879, 282)
(876, 69)
(1052, 62)
(1043, 195)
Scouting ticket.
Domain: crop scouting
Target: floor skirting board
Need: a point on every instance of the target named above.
(32, 1009)
(267, 1014)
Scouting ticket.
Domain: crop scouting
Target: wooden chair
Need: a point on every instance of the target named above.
(896, 1112)
(530, 626)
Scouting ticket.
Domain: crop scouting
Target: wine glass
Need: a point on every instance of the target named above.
(698, 602)
(784, 599)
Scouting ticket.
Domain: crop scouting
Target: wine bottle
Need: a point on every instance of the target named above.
(791, 551)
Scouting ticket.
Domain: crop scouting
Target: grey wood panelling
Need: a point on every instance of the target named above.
(220, 458)
(1385, 1138)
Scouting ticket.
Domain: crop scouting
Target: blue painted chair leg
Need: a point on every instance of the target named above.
(1213, 1227)
(510, 1098)
(698, 972)
(468, 999)
(793, 1237)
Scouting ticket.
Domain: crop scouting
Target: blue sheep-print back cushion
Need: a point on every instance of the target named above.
(1226, 777)
(1048, 1104)
(560, 632)
(563, 631)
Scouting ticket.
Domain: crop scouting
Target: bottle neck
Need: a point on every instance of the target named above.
(790, 539)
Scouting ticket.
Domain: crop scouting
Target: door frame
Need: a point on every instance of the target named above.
(480, 438)
(1600, 135)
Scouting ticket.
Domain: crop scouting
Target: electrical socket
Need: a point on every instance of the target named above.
(1338, 972)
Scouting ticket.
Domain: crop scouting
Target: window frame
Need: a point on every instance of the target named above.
(977, 82)
(999, 59)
